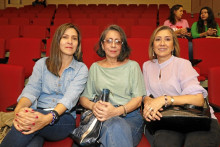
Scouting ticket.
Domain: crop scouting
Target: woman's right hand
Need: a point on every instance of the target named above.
(24, 119)
(152, 108)
(104, 110)
(211, 32)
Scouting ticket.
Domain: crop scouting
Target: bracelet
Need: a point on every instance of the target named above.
(143, 97)
(125, 111)
(166, 100)
(53, 120)
(55, 117)
(172, 100)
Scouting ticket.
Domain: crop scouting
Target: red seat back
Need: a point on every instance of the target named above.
(23, 51)
(213, 85)
(12, 83)
(206, 49)
(139, 49)
(89, 54)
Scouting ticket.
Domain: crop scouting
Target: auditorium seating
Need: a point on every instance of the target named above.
(142, 31)
(139, 50)
(89, 31)
(89, 53)
(2, 48)
(184, 48)
(8, 32)
(214, 89)
(206, 49)
(23, 51)
(3, 21)
(12, 83)
(34, 31)
(138, 21)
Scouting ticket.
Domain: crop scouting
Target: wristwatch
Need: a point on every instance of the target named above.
(172, 100)
(55, 117)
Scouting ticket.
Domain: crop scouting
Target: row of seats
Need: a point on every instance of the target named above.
(24, 50)
(13, 78)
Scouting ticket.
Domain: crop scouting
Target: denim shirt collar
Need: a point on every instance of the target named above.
(73, 64)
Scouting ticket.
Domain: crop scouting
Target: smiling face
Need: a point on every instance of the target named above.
(112, 44)
(69, 42)
(163, 45)
(178, 13)
(204, 14)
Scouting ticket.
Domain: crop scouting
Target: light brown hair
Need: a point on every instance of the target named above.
(54, 61)
(176, 51)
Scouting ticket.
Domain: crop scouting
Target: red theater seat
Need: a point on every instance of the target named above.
(23, 51)
(12, 83)
(214, 89)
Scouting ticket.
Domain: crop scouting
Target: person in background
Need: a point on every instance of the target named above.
(39, 2)
(121, 117)
(206, 24)
(45, 106)
(173, 81)
(176, 22)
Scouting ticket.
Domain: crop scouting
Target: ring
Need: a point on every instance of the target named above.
(150, 109)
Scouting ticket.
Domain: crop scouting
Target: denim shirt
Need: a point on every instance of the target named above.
(46, 90)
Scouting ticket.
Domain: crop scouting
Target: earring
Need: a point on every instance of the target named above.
(153, 53)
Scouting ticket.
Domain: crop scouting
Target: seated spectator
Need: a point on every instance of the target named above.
(206, 24)
(39, 2)
(45, 106)
(121, 117)
(176, 22)
(173, 81)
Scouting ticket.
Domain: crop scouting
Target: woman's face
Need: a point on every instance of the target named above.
(163, 45)
(112, 44)
(178, 13)
(69, 42)
(204, 14)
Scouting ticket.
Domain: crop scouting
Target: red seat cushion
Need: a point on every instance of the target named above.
(68, 142)
(144, 142)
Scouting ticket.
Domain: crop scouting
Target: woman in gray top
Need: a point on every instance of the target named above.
(121, 115)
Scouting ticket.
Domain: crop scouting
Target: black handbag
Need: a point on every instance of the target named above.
(88, 132)
(183, 119)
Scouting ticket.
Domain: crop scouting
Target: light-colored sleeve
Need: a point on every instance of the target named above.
(186, 23)
(138, 86)
(75, 88)
(218, 29)
(188, 80)
(146, 79)
(166, 23)
(34, 86)
(194, 31)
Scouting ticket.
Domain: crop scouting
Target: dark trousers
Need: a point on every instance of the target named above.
(168, 138)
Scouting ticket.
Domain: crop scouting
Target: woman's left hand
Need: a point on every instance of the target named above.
(39, 123)
(104, 111)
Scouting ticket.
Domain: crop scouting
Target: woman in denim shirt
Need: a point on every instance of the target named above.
(44, 109)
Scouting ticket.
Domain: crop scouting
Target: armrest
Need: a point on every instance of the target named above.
(4, 60)
(215, 107)
(35, 59)
(195, 61)
(79, 109)
(12, 107)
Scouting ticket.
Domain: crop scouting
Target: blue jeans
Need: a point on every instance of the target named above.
(122, 131)
(58, 131)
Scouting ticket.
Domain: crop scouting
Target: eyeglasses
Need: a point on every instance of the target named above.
(116, 41)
